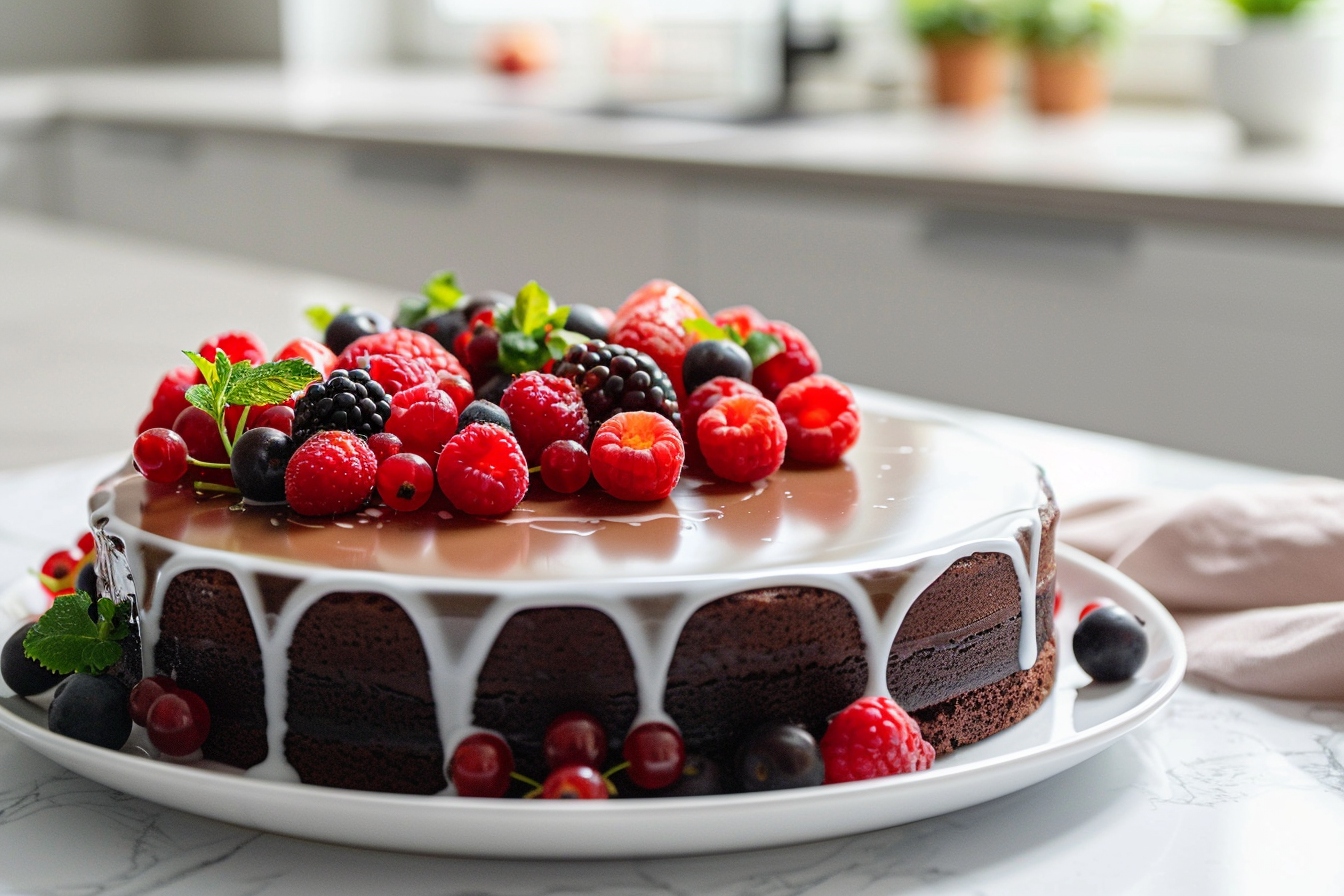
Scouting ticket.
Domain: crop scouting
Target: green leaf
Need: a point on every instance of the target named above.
(559, 341)
(533, 309)
(206, 368)
(519, 353)
(200, 396)
(321, 317)
(411, 311)
(442, 291)
(66, 640)
(271, 383)
(761, 347)
(705, 327)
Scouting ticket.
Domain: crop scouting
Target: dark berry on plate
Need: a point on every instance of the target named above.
(656, 755)
(92, 708)
(714, 357)
(25, 676)
(482, 352)
(779, 757)
(565, 467)
(87, 580)
(492, 300)
(700, 776)
(482, 411)
(445, 327)
(160, 455)
(587, 320)
(1094, 605)
(348, 401)
(260, 457)
(574, 782)
(145, 692)
(405, 481)
(492, 389)
(1110, 644)
(481, 765)
(280, 417)
(350, 325)
(574, 738)
(612, 378)
(178, 723)
(201, 433)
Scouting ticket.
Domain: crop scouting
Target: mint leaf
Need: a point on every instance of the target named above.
(705, 327)
(271, 383)
(558, 341)
(207, 368)
(201, 397)
(519, 352)
(411, 310)
(533, 309)
(442, 291)
(321, 317)
(761, 347)
(66, 640)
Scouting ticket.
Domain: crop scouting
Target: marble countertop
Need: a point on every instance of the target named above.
(1185, 163)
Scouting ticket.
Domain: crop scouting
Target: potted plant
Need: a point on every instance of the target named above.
(964, 39)
(1276, 78)
(1064, 41)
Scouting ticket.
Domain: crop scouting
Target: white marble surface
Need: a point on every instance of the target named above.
(1183, 161)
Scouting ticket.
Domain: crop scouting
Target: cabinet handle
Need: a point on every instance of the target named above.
(965, 230)
(416, 169)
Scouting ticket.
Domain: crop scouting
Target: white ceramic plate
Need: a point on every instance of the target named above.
(1076, 722)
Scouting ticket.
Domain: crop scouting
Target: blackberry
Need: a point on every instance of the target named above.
(612, 378)
(348, 400)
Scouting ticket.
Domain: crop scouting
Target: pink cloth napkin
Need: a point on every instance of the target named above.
(1254, 575)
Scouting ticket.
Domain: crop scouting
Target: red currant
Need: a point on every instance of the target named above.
(1095, 605)
(405, 481)
(280, 417)
(575, 738)
(86, 544)
(161, 455)
(564, 466)
(574, 782)
(481, 765)
(656, 755)
(178, 723)
(384, 445)
(146, 691)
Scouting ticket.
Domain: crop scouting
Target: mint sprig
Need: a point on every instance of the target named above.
(439, 295)
(533, 332)
(246, 386)
(66, 640)
(321, 316)
(760, 346)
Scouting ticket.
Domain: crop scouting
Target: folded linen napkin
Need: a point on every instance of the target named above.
(1253, 573)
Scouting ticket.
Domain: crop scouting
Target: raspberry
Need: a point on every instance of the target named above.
(482, 470)
(237, 345)
(424, 418)
(458, 389)
(704, 398)
(821, 417)
(408, 344)
(872, 738)
(170, 398)
(637, 456)
(310, 350)
(544, 408)
(798, 359)
(742, 438)
(332, 472)
(395, 372)
(743, 318)
(650, 321)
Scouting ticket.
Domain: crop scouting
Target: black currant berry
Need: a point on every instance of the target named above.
(258, 464)
(700, 776)
(92, 708)
(87, 581)
(445, 327)
(492, 390)
(711, 358)
(1110, 644)
(24, 676)
(779, 757)
(480, 411)
(489, 300)
(585, 319)
(350, 325)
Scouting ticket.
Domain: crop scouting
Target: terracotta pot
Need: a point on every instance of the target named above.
(967, 73)
(1066, 82)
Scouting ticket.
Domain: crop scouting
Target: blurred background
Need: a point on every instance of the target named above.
(1120, 215)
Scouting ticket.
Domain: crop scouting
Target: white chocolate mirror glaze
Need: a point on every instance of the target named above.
(912, 495)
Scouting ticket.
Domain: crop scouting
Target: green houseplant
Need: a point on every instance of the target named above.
(964, 40)
(1064, 41)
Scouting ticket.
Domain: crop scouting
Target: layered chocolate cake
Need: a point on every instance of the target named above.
(357, 651)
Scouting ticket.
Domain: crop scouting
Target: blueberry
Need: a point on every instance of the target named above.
(445, 327)
(260, 457)
(480, 411)
(700, 776)
(586, 320)
(350, 325)
(24, 676)
(714, 357)
(87, 581)
(1110, 644)
(779, 757)
(92, 708)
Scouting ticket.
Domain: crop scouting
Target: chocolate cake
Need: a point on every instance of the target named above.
(357, 651)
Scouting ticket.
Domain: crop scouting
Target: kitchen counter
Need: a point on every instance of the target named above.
(1183, 163)
(1220, 793)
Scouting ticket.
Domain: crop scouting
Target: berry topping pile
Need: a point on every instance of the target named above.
(495, 395)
